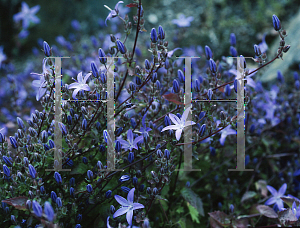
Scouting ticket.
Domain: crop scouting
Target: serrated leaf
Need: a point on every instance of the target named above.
(194, 213)
(289, 201)
(191, 197)
(182, 223)
(180, 210)
(17, 202)
(248, 195)
(287, 215)
(221, 219)
(267, 211)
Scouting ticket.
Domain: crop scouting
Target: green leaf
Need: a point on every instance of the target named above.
(80, 169)
(17, 202)
(267, 211)
(248, 195)
(182, 223)
(289, 201)
(191, 197)
(180, 210)
(194, 213)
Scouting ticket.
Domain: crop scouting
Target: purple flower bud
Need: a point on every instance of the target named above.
(167, 154)
(49, 212)
(176, 87)
(46, 49)
(7, 161)
(94, 70)
(202, 130)
(297, 84)
(108, 194)
(243, 64)
(2, 138)
(78, 226)
(125, 189)
(44, 136)
(63, 129)
(149, 190)
(212, 151)
(20, 123)
(231, 208)
(58, 202)
(235, 85)
(201, 115)
(134, 181)
(72, 191)
(89, 188)
(279, 76)
(6, 170)
(161, 33)
(220, 205)
(13, 142)
(42, 189)
(153, 35)
(232, 39)
(57, 177)
(20, 134)
(209, 94)
(296, 77)
(154, 77)
(276, 22)
(132, 86)
(130, 157)
(121, 47)
(112, 209)
(233, 51)
(37, 209)
(101, 54)
(147, 64)
(212, 66)
(141, 188)
(133, 122)
(53, 196)
(247, 159)
(197, 86)
(167, 121)
(84, 124)
(13, 219)
(208, 52)
(257, 50)
(89, 174)
(252, 129)
(79, 217)
(32, 171)
(118, 146)
(227, 90)
(181, 76)
(102, 148)
(124, 178)
(103, 78)
(155, 191)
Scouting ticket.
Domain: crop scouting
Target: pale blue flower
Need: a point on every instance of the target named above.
(113, 13)
(225, 132)
(130, 143)
(296, 210)
(276, 196)
(183, 21)
(2, 55)
(41, 83)
(128, 206)
(27, 15)
(80, 84)
(180, 124)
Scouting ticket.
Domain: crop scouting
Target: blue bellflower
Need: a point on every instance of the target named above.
(42, 83)
(113, 13)
(144, 130)
(128, 206)
(80, 84)
(276, 196)
(180, 124)
(130, 143)
(27, 15)
(183, 21)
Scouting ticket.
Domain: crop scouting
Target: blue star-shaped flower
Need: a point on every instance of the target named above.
(226, 131)
(130, 143)
(27, 15)
(276, 196)
(128, 206)
(183, 21)
(80, 84)
(144, 130)
(113, 13)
